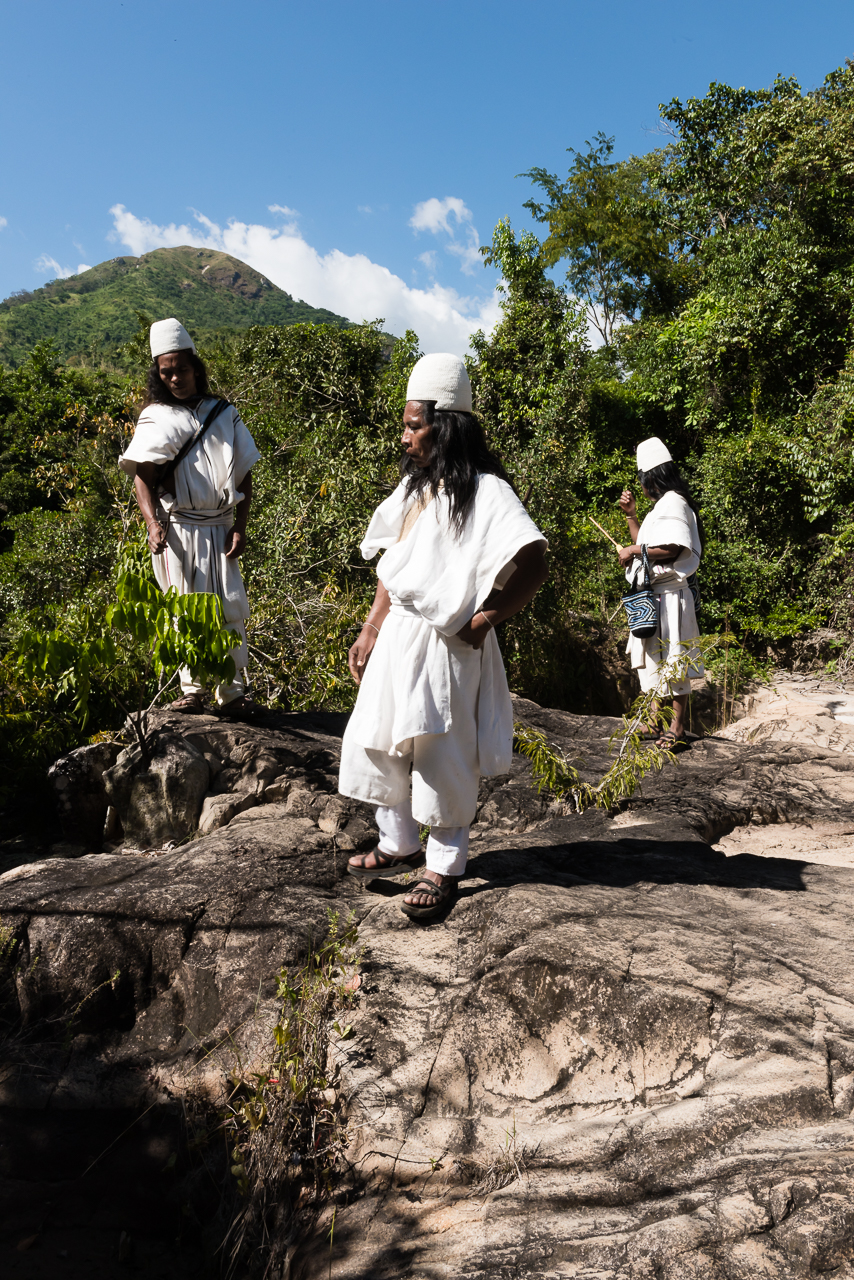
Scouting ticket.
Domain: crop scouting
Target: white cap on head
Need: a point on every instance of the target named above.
(442, 378)
(651, 453)
(169, 335)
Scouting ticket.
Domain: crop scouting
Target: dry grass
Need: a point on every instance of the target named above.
(508, 1164)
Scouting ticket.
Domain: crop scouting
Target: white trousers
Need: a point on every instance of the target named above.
(224, 693)
(400, 835)
(673, 643)
(442, 770)
(195, 560)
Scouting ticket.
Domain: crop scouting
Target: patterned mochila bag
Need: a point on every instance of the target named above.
(640, 606)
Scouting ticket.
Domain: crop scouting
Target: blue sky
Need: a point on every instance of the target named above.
(356, 152)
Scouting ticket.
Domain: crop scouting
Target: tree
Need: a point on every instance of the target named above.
(602, 221)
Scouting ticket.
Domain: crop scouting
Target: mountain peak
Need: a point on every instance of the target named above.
(95, 312)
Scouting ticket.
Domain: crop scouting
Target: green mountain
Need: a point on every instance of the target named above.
(93, 314)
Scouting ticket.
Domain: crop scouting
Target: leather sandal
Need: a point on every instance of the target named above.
(242, 708)
(443, 896)
(191, 704)
(384, 864)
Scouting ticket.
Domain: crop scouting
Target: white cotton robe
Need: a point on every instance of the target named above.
(671, 521)
(421, 681)
(206, 487)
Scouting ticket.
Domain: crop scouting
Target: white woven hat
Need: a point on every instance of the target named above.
(651, 453)
(443, 378)
(169, 335)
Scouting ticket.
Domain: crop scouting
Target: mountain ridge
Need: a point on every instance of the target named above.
(91, 315)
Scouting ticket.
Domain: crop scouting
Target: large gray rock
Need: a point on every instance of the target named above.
(614, 1058)
(81, 800)
(159, 802)
(622, 1053)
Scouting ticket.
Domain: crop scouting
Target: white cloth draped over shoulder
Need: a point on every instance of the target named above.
(670, 522)
(206, 487)
(437, 581)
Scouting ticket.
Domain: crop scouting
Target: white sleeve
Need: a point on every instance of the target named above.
(386, 523)
(157, 438)
(246, 452)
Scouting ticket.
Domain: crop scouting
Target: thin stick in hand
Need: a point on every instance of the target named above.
(606, 533)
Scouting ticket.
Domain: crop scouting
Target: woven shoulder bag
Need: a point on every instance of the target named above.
(641, 608)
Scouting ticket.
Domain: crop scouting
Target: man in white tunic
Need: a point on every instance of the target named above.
(196, 512)
(671, 533)
(461, 554)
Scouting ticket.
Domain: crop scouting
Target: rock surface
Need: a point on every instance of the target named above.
(621, 1054)
(159, 802)
(81, 799)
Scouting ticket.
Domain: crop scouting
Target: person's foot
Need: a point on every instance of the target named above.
(376, 865)
(240, 708)
(672, 740)
(431, 895)
(190, 704)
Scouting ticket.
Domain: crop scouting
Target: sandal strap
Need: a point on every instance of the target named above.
(427, 886)
(382, 861)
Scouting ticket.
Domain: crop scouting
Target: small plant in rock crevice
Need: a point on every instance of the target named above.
(487, 1174)
(283, 1122)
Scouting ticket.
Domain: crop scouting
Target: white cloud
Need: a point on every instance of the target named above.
(429, 259)
(283, 208)
(435, 215)
(49, 266)
(3, 223)
(349, 284)
(364, 208)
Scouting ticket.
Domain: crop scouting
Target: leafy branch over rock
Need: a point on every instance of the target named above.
(147, 631)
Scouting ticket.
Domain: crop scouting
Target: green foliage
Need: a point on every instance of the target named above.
(146, 631)
(60, 430)
(92, 315)
(603, 222)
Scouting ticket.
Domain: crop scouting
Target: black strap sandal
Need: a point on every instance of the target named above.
(443, 896)
(384, 865)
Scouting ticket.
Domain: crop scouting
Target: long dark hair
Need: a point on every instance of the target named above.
(157, 392)
(459, 454)
(666, 477)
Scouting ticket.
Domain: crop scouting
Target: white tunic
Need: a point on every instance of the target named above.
(670, 522)
(440, 580)
(207, 488)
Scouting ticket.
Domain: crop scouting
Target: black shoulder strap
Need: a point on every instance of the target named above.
(210, 418)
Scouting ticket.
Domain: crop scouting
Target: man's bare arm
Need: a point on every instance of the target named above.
(144, 484)
(357, 658)
(529, 575)
(235, 542)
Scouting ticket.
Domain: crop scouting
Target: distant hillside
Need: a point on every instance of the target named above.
(95, 313)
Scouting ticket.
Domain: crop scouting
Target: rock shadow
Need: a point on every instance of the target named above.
(622, 863)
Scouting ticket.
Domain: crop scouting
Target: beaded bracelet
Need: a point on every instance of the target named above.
(486, 620)
(371, 625)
